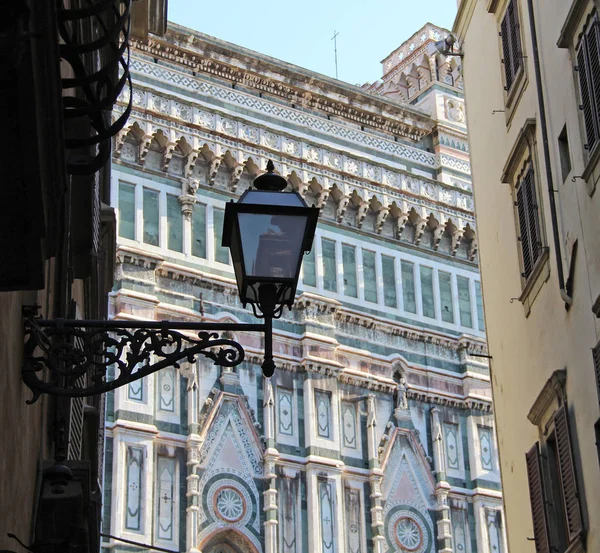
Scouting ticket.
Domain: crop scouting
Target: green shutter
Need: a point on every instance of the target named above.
(427, 292)
(127, 210)
(370, 276)
(408, 287)
(199, 231)
(174, 224)
(389, 281)
(464, 301)
(221, 253)
(309, 275)
(329, 265)
(151, 217)
(447, 307)
(349, 267)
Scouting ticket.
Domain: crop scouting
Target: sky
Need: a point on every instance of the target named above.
(301, 32)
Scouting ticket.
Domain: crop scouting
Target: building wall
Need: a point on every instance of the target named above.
(531, 331)
(376, 431)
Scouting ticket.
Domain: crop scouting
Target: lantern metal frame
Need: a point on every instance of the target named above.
(76, 358)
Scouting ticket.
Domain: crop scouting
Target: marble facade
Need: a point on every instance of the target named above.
(376, 433)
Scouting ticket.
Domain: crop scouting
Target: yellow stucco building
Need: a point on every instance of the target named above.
(532, 80)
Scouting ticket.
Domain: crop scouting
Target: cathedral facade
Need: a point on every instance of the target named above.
(376, 433)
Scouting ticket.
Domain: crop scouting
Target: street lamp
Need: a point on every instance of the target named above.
(267, 232)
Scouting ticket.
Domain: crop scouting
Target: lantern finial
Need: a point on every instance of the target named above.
(270, 181)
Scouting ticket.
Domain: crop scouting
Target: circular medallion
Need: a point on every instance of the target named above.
(229, 504)
(408, 533)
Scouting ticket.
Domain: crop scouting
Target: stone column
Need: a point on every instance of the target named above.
(375, 476)
(193, 444)
(444, 526)
(271, 455)
(270, 502)
(193, 495)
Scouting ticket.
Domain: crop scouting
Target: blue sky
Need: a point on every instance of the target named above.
(300, 32)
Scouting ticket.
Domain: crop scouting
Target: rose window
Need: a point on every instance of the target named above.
(229, 504)
(408, 534)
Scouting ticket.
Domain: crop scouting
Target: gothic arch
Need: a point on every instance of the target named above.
(228, 541)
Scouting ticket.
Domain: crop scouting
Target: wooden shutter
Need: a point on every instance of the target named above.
(515, 38)
(504, 32)
(593, 55)
(587, 62)
(533, 219)
(511, 43)
(567, 474)
(536, 497)
(529, 222)
(596, 357)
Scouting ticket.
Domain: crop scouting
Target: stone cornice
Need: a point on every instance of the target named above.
(347, 172)
(576, 12)
(554, 389)
(324, 306)
(354, 105)
(463, 18)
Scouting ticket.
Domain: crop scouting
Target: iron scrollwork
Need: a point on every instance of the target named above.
(77, 358)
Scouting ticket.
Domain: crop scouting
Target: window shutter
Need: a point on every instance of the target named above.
(506, 51)
(596, 357)
(533, 220)
(593, 53)
(567, 474)
(586, 94)
(529, 222)
(536, 496)
(515, 39)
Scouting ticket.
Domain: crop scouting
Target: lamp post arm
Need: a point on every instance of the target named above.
(78, 358)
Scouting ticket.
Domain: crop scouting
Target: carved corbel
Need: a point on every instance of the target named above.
(381, 217)
(473, 249)
(214, 169)
(438, 234)
(361, 214)
(145, 147)
(401, 221)
(235, 177)
(322, 198)
(190, 163)
(168, 155)
(341, 208)
(419, 230)
(119, 141)
(457, 236)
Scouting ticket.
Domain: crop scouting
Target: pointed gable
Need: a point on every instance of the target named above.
(230, 439)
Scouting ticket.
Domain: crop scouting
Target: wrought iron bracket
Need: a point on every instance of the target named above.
(77, 358)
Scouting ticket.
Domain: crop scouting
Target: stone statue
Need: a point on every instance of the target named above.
(401, 397)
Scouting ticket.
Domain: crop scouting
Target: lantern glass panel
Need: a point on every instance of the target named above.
(264, 197)
(272, 244)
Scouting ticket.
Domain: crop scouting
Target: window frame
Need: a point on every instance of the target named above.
(522, 157)
(554, 454)
(513, 87)
(581, 54)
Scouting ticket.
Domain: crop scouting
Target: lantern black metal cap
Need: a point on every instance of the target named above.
(269, 181)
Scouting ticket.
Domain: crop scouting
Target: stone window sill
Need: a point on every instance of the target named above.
(512, 96)
(533, 285)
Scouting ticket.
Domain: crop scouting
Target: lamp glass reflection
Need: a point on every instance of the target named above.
(271, 244)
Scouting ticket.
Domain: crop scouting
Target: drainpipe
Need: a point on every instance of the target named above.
(538, 81)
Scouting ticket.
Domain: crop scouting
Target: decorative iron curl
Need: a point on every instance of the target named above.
(64, 359)
(100, 70)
